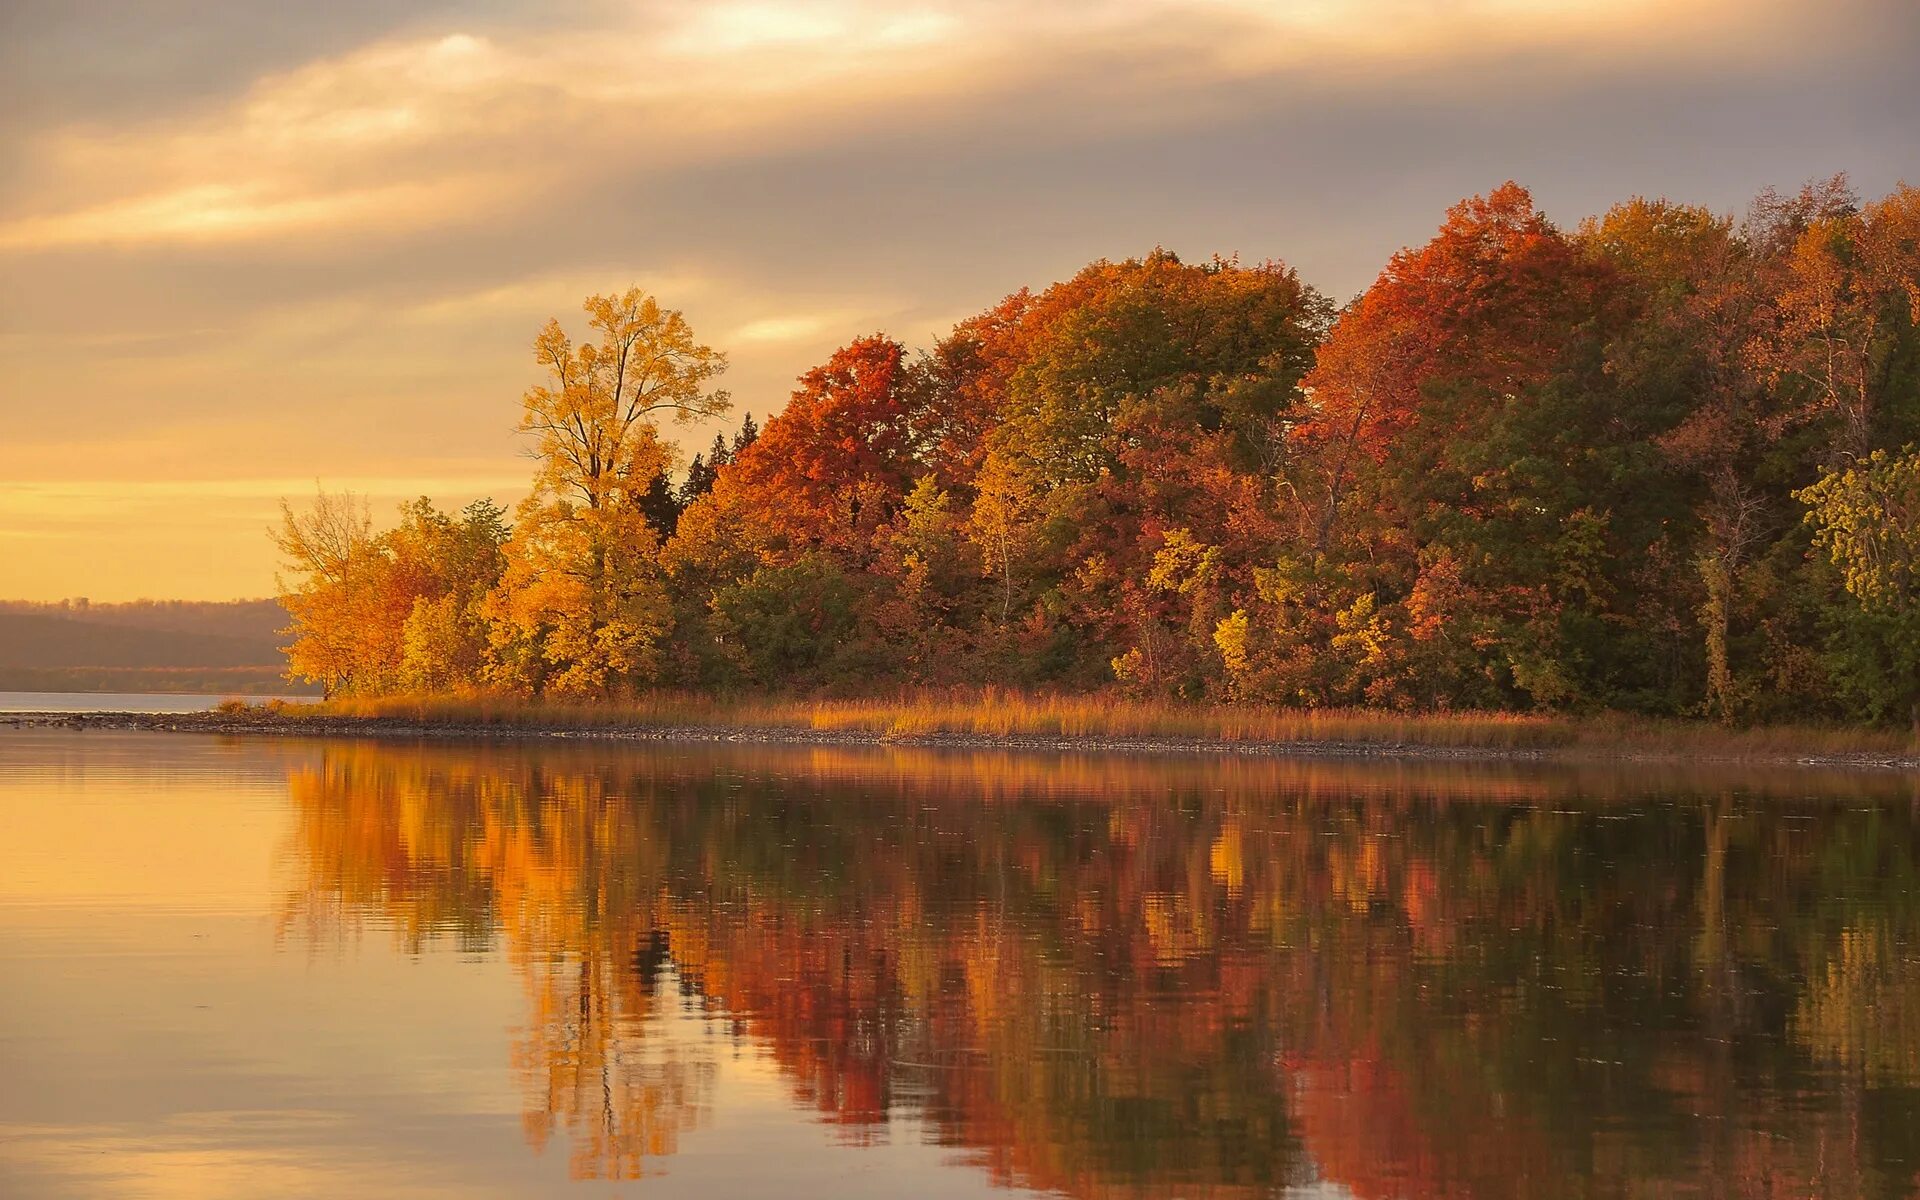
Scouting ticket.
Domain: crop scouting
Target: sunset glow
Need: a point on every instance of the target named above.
(318, 255)
(1108, 599)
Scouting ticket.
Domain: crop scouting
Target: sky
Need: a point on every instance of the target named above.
(248, 250)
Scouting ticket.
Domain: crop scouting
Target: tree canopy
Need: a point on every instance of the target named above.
(1657, 461)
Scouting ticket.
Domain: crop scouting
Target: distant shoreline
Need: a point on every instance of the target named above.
(264, 723)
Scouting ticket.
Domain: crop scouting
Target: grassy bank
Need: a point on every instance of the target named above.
(994, 714)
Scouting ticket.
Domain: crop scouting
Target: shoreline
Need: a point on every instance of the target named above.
(266, 724)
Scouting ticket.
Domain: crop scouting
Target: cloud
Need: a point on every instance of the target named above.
(456, 124)
(227, 211)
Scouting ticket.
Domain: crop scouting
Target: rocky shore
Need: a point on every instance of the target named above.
(261, 722)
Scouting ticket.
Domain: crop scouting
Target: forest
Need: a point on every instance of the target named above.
(1663, 462)
(226, 647)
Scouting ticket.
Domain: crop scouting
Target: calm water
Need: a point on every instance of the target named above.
(259, 968)
(135, 702)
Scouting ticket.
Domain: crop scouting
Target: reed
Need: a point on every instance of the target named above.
(1006, 713)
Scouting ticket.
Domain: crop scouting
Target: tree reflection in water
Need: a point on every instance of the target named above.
(1107, 976)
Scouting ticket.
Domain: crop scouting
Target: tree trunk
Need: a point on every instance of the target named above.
(1714, 618)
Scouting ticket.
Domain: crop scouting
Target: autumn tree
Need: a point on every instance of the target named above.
(445, 638)
(1240, 337)
(1464, 438)
(929, 607)
(1867, 519)
(1839, 348)
(1005, 512)
(1696, 289)
(393, 611)
(595, 422)
(582, 607)
(1131, 399)
(329, 552)
(836, 463)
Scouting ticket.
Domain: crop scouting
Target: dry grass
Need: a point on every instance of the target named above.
(994, 713)
(997, 713)
(984, 713)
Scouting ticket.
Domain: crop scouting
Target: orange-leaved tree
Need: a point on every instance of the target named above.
(838, 461)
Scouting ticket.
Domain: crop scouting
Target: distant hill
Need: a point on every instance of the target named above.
(146, 645)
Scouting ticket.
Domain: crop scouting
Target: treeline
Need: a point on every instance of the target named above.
(142, 645)
(1662, 462)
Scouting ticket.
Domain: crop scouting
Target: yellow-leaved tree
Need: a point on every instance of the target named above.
(331, 558)
(400, 610)
(582, 608)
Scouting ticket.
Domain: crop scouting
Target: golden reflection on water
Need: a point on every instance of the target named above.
(1092, 976)
(1105, 975)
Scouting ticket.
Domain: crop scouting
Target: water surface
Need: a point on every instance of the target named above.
(128, 702)
(259, 967)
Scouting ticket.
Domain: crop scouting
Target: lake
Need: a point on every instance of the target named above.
(234, 967)
(127, 702)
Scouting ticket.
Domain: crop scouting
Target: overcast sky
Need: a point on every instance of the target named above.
(246, 247)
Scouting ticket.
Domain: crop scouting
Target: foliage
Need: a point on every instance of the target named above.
(1867, 518)
(1528, 468)
(582, 606)
(783, 623)
(392, 611)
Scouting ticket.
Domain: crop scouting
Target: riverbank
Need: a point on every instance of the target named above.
(1336, 735)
